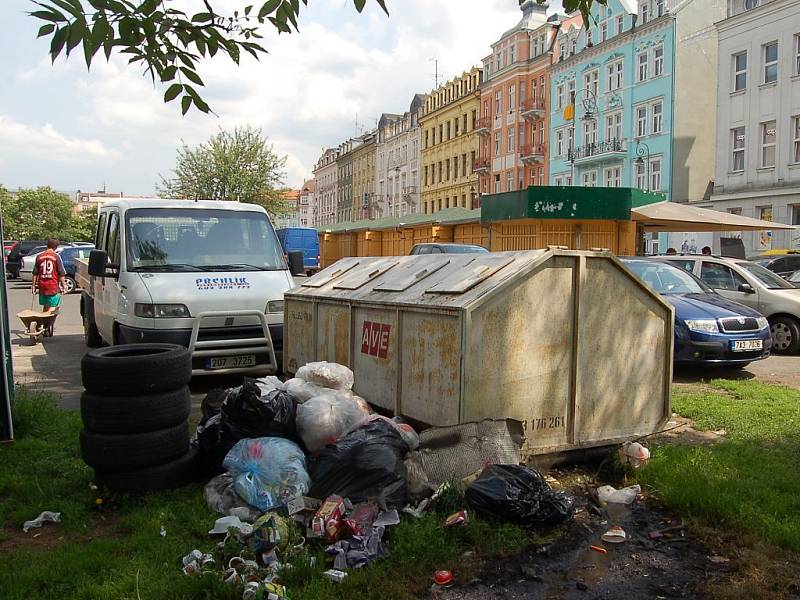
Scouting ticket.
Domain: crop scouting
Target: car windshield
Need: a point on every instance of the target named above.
(666, 279)
(463, 249)
(769, 279)
(794, 277)
(188, 239)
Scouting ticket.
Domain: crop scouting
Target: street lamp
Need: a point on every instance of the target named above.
(643, 150)
(590, 113)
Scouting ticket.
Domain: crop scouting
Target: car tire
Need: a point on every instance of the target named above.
(136, 369)
(169, 475)
(135, 414)
(739, 366)
(90, 334)
(69, 285)
(133, 451)
(785, 335)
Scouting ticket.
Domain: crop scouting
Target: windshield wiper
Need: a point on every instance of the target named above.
(234, 267)
(170, 267)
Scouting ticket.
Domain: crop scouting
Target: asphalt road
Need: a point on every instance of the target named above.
(54, 365)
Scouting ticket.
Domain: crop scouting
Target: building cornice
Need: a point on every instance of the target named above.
(760, 11)
(474, 95)
(744, 194)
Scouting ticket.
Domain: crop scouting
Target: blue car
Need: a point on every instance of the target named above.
(68, 256)
(305, 239)
(709, 329)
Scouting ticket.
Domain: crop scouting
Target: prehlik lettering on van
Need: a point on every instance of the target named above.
(222, 283)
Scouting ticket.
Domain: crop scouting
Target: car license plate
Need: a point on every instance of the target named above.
(744, 345)
(231, 362)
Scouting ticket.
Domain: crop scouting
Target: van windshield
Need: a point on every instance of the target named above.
(190, 239)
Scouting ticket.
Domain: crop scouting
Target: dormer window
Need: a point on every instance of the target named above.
(750, 4)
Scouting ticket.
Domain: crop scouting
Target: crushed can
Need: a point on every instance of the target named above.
(334, 575)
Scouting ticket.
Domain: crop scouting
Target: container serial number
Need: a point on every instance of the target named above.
(545, 423)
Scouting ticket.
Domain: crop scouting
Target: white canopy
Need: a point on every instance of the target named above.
(671, 216)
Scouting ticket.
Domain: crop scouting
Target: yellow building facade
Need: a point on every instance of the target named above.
(450, 144)
(364, 176)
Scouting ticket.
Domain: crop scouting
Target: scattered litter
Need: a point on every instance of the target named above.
(443, 578)
(359, 550)
(667, 532)
(162, 532)
(599, 549)
(362, 518)
(327, 374)
(300, 504)
(387, 518)
(222, 525)
(634, 454)
(270, 532)
(520, 495)
(334, 575)
(718, 560)
(195, 561)
(459, 518)
(268, 471)
(325, 419)
(327, 521)
(257, 590)
(615, 535)
(608, 494)
(221, 497)
(44, 517)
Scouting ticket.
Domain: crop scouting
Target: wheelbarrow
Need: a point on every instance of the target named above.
(38, 323)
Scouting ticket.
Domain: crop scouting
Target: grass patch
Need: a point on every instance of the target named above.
(116, 551)
(749, 481)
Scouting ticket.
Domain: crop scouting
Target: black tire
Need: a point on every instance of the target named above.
(69, 285)
(739, 366)
(785, 335)
(132, 451)
(90, 334)
(173, 474)
(136, 369)
(135, 414)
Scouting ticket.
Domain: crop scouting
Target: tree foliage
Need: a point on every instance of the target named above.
(37, 214)
(83, 226)
(231, 165)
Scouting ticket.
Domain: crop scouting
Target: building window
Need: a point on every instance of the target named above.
(510, 181)
(562, 51)
(464, 162)
(559, 96)
(655, 175)
(558, 181)
(497, 143)
(797, 54)
(455, 167)
(589, 179)
(613, 177)
(570, 138)
(641, 63)
(614, 71)
(796, 136)
(771, 62)
(590, 81)
(448, 130)
(560, 142)
(512, 53)
(739, 71)
(603, 31)
(426, 138)
(571, 91)
(573, 46)
(614, 127)
(764, 213)
(447, 169)
(510, 141)
(497, 183)
(498, 103)
(522, 135)
(590, 132)
(737, 145)
(455, 126)
(768, 144)
(659, 8)
(588, 37)
(425, 171)
(658, 61)
(657, 109)
(640, 175)
(497, 62)
(644, 11)
(641, 121)
(512, 98)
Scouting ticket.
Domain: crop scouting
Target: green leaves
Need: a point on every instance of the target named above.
(172, 92)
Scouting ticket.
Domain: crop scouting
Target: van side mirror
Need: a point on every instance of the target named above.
(99, 266)
(295, 259)
(746, 288)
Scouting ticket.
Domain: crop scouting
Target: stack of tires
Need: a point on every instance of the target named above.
(135, 412)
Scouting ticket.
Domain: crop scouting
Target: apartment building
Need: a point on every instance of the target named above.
(397, 185)
(344, 180)
(306, 203)
(325, 173)
(450, 144)
(363, 205)
(514, 112)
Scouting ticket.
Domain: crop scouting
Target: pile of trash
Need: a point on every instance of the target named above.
(306, 462)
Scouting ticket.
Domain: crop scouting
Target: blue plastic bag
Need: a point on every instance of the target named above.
(267, 472)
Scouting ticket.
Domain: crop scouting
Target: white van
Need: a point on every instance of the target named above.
(207, 275)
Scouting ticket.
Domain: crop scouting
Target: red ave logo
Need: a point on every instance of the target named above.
(375, 339)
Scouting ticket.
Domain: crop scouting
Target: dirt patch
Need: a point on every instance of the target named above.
(52, 535)
(680, 430)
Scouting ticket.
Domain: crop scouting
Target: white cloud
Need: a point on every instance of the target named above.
(45, 143)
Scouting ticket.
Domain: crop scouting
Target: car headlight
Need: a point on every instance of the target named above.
(275, 306)
(161, 311)
(702, 325)
(763, 323)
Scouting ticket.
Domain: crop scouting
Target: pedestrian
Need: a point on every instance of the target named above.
(706, 251)
(671, 252)
(48, 278)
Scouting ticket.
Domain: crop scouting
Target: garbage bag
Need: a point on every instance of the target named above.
(221, 497)
(419, 486)
(267, 472)
(520, 495)
(302, 390)
(248, 414)
(327, 374)
(213, 440)
(405, 430)
(269, 383)
(366, 464)
(325, 419)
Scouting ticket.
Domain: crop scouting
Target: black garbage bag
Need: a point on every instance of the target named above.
(248, 414)
(366, 464)
(520, 495)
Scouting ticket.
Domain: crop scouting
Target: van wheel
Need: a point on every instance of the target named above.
(785, 335)
(132, 451)
(90, 334)
(136, 369)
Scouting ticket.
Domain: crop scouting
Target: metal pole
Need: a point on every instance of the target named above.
(7, 375)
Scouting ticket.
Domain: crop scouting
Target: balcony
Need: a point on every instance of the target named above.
(532, 153)
(533, 108)
(409, 191)
(598, 152)
(483, 125)
(481, 166)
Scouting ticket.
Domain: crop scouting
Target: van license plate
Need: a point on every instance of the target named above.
(744, 345)
(231, 362)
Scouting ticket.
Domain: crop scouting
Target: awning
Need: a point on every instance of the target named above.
(671, 216)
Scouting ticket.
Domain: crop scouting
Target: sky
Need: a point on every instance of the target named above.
(71, 129)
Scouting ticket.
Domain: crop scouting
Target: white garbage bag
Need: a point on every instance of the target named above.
(327, 374)
(324, 419)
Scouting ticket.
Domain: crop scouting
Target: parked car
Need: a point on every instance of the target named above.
(29, 260)
(20, 249)
(304, 239)
(754, 286)
(68, 257)
(428, 248)
(794, 279)
(782, 264)
(709, 329)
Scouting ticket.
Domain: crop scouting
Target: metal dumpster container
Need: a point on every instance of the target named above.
(568, 342)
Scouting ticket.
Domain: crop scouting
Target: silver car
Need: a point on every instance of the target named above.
(752, 285)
